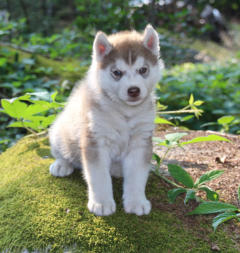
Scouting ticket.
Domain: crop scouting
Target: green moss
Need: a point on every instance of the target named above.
(39, 211)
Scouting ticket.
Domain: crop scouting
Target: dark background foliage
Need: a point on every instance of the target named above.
(45, 46)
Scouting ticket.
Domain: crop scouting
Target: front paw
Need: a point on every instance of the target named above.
(103, 208)
(139, 207)
(60, 169)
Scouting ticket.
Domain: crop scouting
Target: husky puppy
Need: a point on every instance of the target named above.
(107, 124)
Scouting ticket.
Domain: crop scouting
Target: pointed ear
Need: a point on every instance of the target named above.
(151, 40)
(101, 46)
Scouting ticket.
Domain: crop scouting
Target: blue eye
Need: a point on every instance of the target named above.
(143, 70)
(117, 74)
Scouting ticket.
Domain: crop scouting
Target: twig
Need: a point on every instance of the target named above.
(178, 112)
(37, 134)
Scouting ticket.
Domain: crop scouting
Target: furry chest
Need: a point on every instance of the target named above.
(120, 141)
(117, 143)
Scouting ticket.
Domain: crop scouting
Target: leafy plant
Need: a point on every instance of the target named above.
(226, 211)
(216, 84)
(33, 115)
(188, 186)
(19, 75)
(191, 188)
(192, 107)
(227, 123)
(185, 184)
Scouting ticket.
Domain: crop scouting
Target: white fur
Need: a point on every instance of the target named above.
(151, 34)
(121, 129)
(101, 41)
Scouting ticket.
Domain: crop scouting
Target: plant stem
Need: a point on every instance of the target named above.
(37, 134)
(166, 179)
(163, 157)
(156, 172)
(178, 112)
(28, 129)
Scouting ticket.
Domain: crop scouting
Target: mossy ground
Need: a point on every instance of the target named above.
(39, 212)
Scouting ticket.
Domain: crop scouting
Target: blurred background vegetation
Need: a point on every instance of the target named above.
(45, 46)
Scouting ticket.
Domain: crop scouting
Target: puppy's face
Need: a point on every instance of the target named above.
(128, 65)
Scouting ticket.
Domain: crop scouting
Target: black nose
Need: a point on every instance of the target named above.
(133, 92)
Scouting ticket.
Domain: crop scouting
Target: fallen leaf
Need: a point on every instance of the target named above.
(215, 247)
(221, 159)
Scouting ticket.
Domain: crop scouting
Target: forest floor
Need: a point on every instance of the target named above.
(42, 213)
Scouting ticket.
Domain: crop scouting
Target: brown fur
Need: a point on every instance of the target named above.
(127, 45)
(89, 147)
(87, 142)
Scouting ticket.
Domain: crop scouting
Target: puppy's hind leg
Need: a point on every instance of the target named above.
(61, 168)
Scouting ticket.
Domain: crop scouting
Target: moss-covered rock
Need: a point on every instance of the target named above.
(39, 212)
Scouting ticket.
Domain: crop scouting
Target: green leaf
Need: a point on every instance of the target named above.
(222, 218)
(186, 118)
(8, 108)
(208, 176)
(34, 109)
(174, 137)
(162, 121)
(225, 120)
(16, 124)
(56, 105)
(25, 97)
(160, 142)
(35, 125)
(47, 121)
(3, 61)
(198, 102)
(211, 195)
(191, 194)
(53, 96)
(191, 99)
(157, 139)
(43, 104)
(17, 84)
(213, 207)
(5, 141)
(156, 158)
(13, 108)
(172, 194)
(179, 174)
(211, 137)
